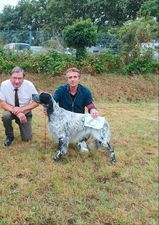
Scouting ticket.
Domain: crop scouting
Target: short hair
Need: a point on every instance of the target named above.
(17, 69)
(73, 69)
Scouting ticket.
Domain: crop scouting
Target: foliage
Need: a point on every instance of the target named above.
(132, 8)
(54, 63)
(100, 12)
(27, 13)
(141, 64)
(54, 16)
(51, 63)
(108, 40)
(138, 31)
(132, 34)
(150, 8)
(79, 35)
(107, 62)
(44, 20)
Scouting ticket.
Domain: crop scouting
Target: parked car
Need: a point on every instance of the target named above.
(17, 47)
(67, 51)
(96, 49)
(38, 50)
(70, 51)
(153, 46)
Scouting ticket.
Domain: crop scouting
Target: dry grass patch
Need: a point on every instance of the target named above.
(104, 88)
(84, 189)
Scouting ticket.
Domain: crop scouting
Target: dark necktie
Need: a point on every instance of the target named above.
(16, 97)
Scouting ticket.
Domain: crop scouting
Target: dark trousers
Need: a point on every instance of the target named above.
(25, 128)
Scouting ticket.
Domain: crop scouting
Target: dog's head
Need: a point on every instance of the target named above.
(42, 98)
(45, 99)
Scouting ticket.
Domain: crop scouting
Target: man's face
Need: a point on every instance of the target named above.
(17, 79)
(73, 79)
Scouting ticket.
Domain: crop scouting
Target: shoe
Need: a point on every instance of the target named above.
(8, 141)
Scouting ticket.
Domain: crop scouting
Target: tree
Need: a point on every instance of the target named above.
(8, 19)
(53, 15)
(63, 13)
(101, 12)
(109, 40)
(139, 31)
(79, 35)
(25, 13)
(133, 33)
(150, 8)
(132, 8)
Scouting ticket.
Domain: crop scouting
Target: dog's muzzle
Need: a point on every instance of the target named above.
(35, 98)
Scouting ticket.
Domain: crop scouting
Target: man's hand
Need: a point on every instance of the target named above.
(22, 117)
(94, 113)
(45, 111)
(16, 110)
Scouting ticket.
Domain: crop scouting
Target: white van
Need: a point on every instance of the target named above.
(17, 47)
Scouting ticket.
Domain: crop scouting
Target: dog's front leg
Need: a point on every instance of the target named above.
(112, 153)
(62, 148)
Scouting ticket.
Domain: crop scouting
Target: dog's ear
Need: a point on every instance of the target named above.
(45, 98)
(46, 101)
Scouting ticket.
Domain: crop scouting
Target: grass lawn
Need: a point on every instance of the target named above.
(84, 189)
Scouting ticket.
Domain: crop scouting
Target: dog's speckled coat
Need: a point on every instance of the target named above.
(68, 127)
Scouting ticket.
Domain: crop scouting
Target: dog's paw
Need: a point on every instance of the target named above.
(84, 150)
(113, 159)
(57, 157)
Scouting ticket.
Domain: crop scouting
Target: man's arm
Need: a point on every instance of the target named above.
(90, 105)
(29, 107)
(92, 110)
(6, 106)
(10, 108)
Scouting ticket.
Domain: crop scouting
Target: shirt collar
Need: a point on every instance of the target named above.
(78, 88)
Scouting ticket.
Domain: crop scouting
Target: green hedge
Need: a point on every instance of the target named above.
(54, 63)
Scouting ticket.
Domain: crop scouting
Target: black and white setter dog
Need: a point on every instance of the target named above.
(69, 127)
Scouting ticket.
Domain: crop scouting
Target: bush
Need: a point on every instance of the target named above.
(137, 63)
(142, 66)
(54, 63)
(10, 59)
(111, 62)
(102, 63)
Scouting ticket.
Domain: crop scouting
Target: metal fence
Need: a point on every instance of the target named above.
(50, 39)
(37, 38)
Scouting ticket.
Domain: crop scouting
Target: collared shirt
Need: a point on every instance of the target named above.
(25, 91)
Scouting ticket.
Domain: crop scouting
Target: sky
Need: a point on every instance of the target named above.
(7, 2)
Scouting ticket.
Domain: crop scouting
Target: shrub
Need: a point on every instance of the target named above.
(54, 63)
(142, 66)
(51, 62)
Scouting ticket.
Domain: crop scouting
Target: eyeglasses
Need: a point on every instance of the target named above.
(17, 78)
